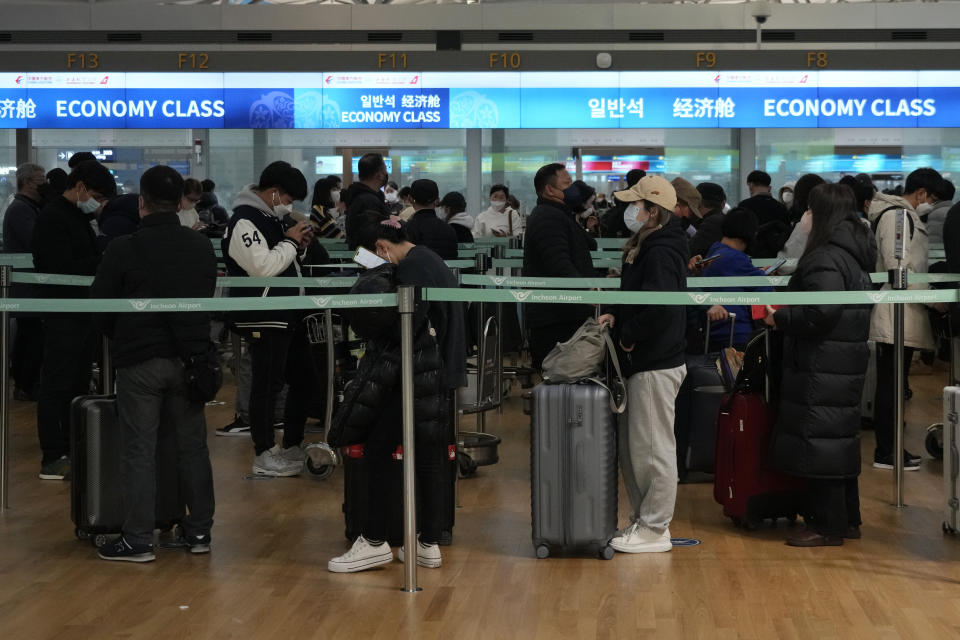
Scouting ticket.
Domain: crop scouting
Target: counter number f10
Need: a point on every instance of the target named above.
(505, 60)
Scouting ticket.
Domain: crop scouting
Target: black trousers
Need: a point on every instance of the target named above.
(431, 450)
(544, 339)
(883, 409)
(278, 357)
(68, 347)
(27, 354)
(835, 505)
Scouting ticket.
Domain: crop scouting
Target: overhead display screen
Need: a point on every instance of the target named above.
(507, 100)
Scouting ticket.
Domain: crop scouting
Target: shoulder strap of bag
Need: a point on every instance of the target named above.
(618, 394)
(876, 221)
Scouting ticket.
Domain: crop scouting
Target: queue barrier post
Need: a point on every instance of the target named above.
(6, 273)
(482, 264)
(898, 282)
(405, 305)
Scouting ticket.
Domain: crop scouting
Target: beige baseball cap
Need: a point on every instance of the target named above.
(655, 189)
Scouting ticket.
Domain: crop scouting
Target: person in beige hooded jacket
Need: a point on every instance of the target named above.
(917, 332)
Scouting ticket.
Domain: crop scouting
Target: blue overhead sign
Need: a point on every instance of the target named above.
(509, 100)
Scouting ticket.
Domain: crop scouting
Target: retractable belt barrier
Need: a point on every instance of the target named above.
(339, 282)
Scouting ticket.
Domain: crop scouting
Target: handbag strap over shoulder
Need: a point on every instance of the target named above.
(618, 394)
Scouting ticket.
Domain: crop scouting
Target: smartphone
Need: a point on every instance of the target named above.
(706, 261)
(368, 259)
(776, 265)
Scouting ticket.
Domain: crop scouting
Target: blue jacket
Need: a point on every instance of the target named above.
(732, 263)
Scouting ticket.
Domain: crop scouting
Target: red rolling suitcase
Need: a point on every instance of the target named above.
(749, 490)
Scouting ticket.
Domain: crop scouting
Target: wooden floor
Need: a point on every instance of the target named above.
(267, 577)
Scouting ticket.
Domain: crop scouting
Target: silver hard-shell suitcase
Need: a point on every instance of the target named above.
(573, 469)
(951, 459)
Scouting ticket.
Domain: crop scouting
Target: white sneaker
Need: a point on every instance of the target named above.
(272, 463)
(294, 454)
(362, 555)
(428, 555)
(638, 539)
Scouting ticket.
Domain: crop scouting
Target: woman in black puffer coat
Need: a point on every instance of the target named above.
(372, 410)
(825, 357)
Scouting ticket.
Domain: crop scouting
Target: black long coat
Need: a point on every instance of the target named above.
(825, 359)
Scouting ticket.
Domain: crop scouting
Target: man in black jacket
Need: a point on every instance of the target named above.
(761, 201)
(64, 242)
(424, 227)
(161, 260)
(18, 222)
(713, 199)
(555, 246)
(365, 194)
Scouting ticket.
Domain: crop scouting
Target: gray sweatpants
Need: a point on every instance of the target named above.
(648, 449)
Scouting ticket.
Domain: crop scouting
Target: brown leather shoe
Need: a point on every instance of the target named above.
(810, 538)
(853, 532)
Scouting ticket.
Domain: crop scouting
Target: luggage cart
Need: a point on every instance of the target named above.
(322, 459)
(484, 392)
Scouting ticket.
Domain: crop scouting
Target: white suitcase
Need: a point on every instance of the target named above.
(951, 459)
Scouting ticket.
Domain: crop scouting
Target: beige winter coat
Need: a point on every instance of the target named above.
(917, 332)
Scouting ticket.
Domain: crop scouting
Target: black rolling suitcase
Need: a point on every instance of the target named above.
(697, 409)
(355, 494)
(573, 467)
(96, 487)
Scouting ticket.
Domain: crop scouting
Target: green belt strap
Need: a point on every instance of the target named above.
(33, 305)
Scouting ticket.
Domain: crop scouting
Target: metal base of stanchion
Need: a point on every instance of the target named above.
(415, 590)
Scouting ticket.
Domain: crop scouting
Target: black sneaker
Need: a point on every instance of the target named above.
(912, 457)
(59, 469)
(886, 462)
(120, 549)
(239, 427)
(195, 544)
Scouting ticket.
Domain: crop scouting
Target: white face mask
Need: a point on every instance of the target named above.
(390, 196)
(788, 198)
(441, 212)
(498, 205)
(630, 218)
(192, 211)
(335, 196)
(279, 209)
(90, 205)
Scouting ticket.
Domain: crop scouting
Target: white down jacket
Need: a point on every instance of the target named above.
(917, 331)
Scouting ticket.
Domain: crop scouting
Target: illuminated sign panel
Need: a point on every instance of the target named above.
(509, 100)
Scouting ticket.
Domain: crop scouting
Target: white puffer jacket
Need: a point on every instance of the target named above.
(917, 331)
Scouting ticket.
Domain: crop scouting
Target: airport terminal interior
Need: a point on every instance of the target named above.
(471, 94)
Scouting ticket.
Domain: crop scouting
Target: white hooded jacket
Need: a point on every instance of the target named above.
(917, 331)
(492, 220)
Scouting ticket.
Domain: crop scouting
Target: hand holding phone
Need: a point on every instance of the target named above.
(776, 265)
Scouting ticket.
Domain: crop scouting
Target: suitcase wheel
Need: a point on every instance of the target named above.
(81, 534)
(321, 472)
(543, 551)
(934, 441)
(607, 552)
(948, 529)
(99, 540)
(467, 467)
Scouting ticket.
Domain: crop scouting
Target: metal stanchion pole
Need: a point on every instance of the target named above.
(331, 371)
(106, 368)
(898, 281)
(6, 273)
(405, 303)
(482, 264)
(498, 252)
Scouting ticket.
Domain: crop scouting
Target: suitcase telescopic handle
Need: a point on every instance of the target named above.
(706, 342)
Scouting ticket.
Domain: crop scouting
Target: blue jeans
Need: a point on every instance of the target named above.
(150, 397)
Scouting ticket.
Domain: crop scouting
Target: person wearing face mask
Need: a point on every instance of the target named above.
(425, 227)
(580, 197)
(785, 195)
(326, 209)
(64, 242)
(395, 198)
(192, 192)
(499, 219)
(555, 246)
(452, 210)
(651, 342)
(438, 327)
(920, 186)
(18, 223)
(365, 194)
(259, 244)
